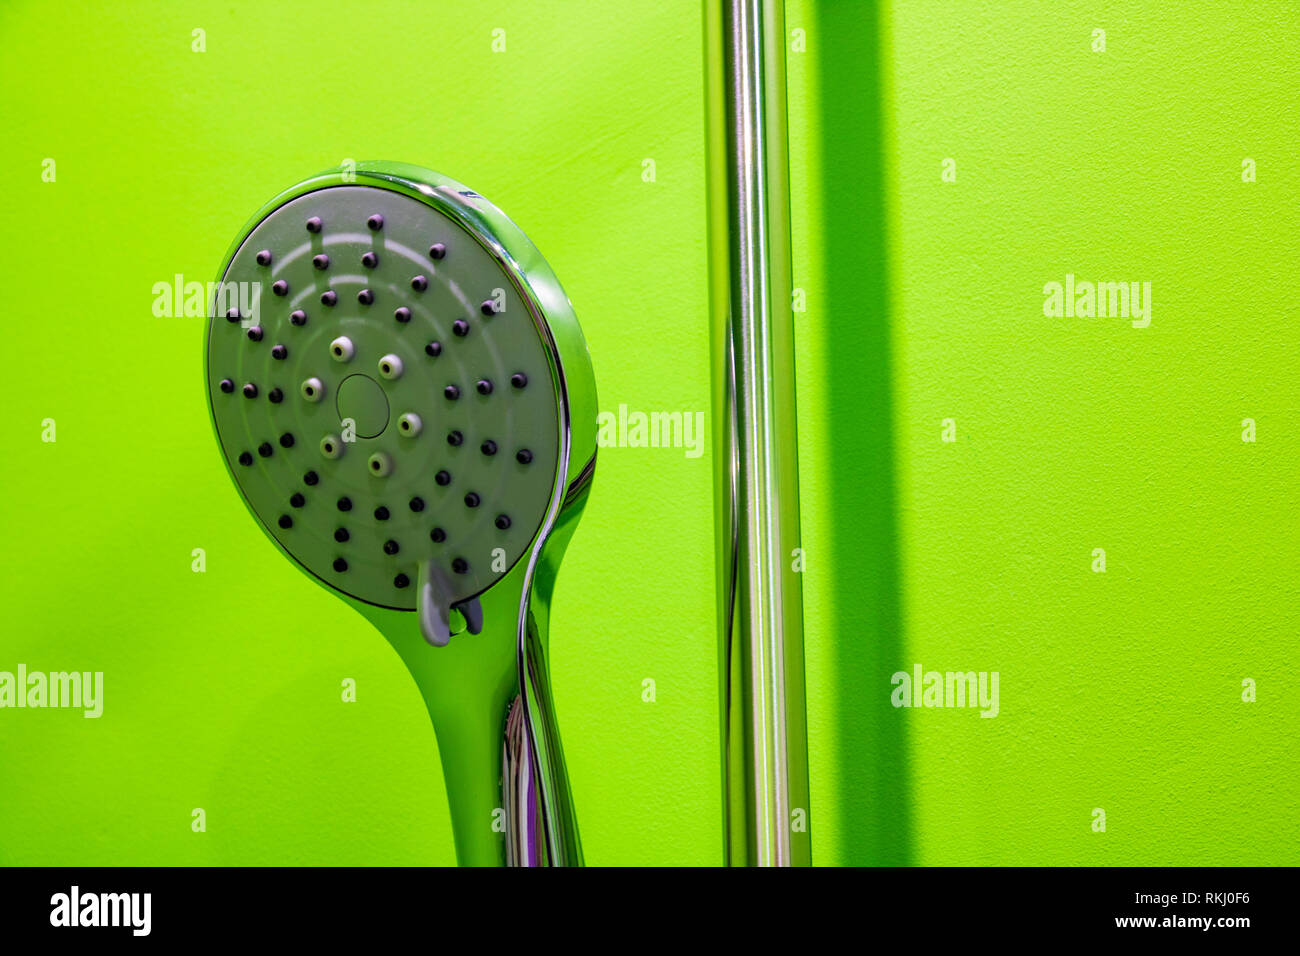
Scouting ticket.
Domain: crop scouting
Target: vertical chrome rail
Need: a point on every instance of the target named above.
(764, 734)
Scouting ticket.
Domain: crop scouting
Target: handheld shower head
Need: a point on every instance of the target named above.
(403, 396)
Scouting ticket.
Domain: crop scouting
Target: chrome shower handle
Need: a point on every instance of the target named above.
(559, 822)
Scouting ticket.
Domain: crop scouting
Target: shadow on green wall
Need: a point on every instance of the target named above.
(871, 763)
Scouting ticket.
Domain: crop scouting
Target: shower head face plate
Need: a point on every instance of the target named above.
(388, 400)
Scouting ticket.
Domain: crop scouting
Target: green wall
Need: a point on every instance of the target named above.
(223, 688)
(1119, 690)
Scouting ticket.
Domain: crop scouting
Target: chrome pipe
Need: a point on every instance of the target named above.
(764, 735)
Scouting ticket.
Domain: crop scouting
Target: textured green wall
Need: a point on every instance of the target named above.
(1119, 690)
(223, 688)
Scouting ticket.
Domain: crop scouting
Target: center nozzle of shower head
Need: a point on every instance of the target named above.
(361, 400)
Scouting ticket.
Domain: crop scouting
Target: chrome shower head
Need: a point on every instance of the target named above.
(405, 401)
